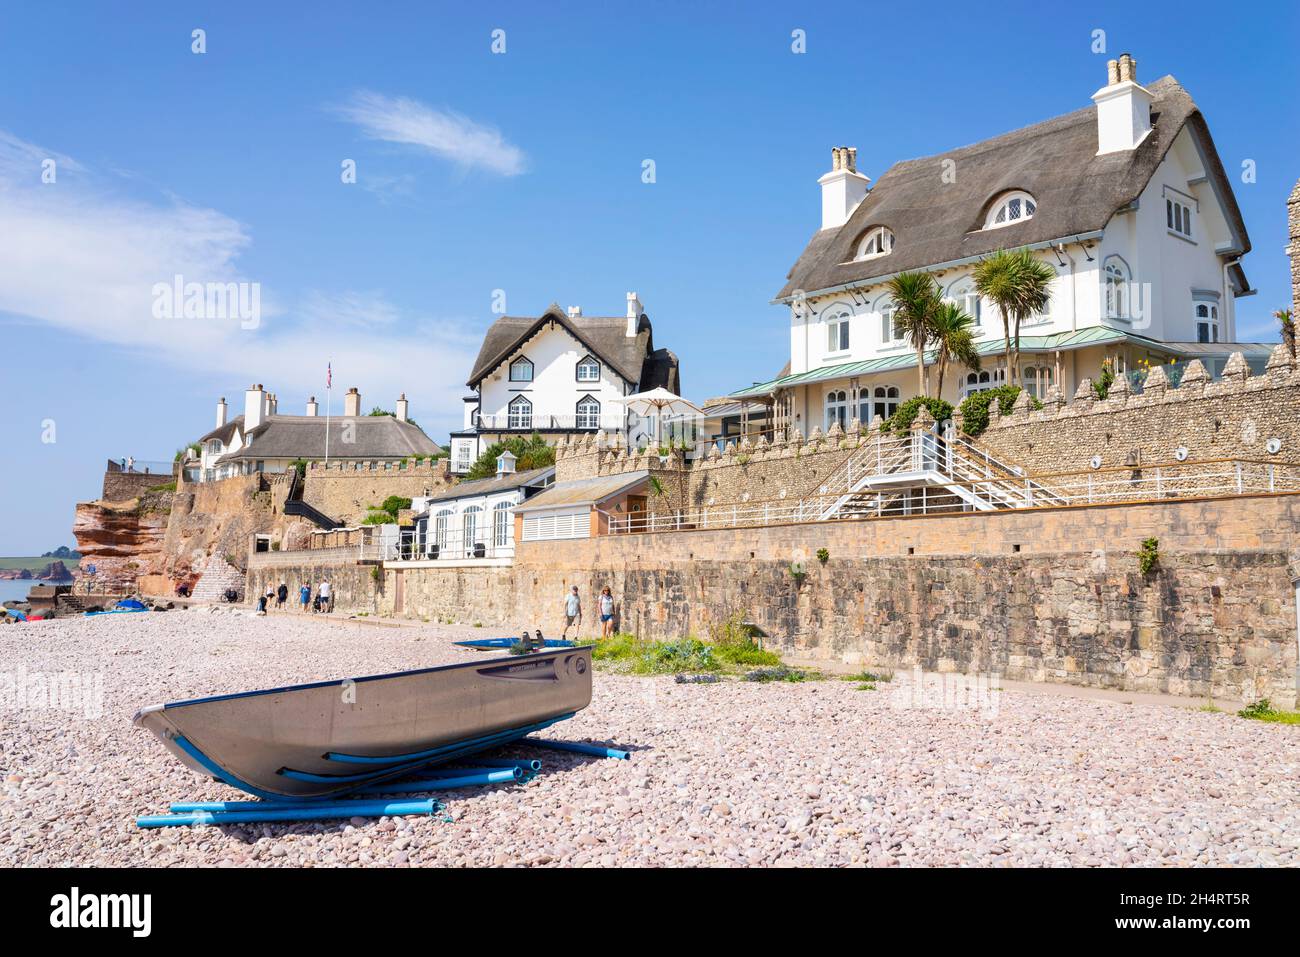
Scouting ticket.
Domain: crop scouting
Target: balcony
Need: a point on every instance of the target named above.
(548, 423)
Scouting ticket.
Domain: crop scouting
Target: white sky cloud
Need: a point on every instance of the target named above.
(441, 132)
(77, 257)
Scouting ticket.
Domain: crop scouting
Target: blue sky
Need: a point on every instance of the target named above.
(478, 171)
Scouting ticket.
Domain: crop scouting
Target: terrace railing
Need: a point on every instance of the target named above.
(1162, 482)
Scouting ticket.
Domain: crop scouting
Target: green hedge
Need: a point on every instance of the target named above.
(901, 421)
(975, 408)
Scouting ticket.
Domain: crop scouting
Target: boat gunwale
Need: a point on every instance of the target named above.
(339, 681)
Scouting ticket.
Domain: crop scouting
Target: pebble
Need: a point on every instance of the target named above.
(732, 773)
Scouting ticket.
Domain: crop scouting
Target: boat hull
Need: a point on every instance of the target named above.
(326, 739)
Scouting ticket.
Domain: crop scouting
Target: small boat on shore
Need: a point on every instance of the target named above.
(326, 739)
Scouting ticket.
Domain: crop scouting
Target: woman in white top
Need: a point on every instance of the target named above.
(606, 612)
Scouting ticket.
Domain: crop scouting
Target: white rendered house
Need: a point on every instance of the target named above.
(475, 520)
(264, 440)
(1126, 200)
(561, 373)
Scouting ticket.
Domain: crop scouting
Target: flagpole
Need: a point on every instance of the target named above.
(329, 387)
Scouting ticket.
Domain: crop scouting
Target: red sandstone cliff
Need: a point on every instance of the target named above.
(122, 540)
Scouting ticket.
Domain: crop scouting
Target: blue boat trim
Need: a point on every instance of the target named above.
(340, 681)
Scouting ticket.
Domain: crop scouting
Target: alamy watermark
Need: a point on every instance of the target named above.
(948, 692)
(211, 300)
(72, 692)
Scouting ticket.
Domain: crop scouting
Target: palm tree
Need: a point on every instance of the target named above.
(916, 299)
(1020, 286)
(1284, 318)
(955, 340)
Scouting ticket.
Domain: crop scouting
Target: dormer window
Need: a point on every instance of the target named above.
(588, 370)
(1011, 209)
(878, 241)
(521, 370)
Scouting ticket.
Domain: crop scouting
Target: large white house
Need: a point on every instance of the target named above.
(561, 373)
(1127, 201)
(264, 440)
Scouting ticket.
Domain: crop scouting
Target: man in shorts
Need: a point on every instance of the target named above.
(572, 613)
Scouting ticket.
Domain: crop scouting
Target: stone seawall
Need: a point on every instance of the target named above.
(1052, 595)
(1234, 417)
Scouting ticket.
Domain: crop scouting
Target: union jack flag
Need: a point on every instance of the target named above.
(329, 375)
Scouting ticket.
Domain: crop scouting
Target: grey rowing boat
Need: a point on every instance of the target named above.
(325, 739)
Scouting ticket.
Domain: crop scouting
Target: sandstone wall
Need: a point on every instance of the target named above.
(219, 518)
(1232, 418)
(122, 486)
(346, 494)
(1046, 595)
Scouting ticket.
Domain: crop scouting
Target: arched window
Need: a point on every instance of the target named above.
(981, 381)
(878, 241)
(964, 294)
(884, 402)
(890, 334)
(1115, 276)
(837, 408)
(521, 370)
(442, 529)
(1010, 209)
(588, 370)
(1036, 380)
(520, 413)
(501, 530)
(1207, 322)
(469, 527)
(837, 329)
(588, 413)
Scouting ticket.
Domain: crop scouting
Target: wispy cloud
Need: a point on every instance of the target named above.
(76, 256)
(441, 132)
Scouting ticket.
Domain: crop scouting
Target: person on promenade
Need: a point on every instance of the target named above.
(281, 595)
(606, 612)
(572, 613)
(304, 596)
(326, 596)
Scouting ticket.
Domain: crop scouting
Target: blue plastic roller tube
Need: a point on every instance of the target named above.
(579, 747)
(314, 812)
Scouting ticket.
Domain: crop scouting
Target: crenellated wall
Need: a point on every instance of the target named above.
(1234, 417)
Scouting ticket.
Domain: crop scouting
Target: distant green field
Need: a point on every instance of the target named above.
(36, 564)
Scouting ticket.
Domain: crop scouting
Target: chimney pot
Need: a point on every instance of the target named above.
(1127, 68)
(1112, 72)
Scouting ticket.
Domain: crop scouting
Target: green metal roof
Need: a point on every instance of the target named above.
(1056, 342)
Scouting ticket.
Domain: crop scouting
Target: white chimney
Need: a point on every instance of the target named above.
(634, 311)
(401, 407)
(221, 412)
(575, 312)
(272, 404)
(254, 407)
(312, 407)
(1123, 108)
(843, 188)
(352, 402)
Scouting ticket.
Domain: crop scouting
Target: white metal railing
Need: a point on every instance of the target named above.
(541, 423)
(455, 541)
(1151, 483)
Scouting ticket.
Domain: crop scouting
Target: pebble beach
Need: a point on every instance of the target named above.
(732, 773)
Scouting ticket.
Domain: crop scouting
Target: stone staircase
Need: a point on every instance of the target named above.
(218, 575)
